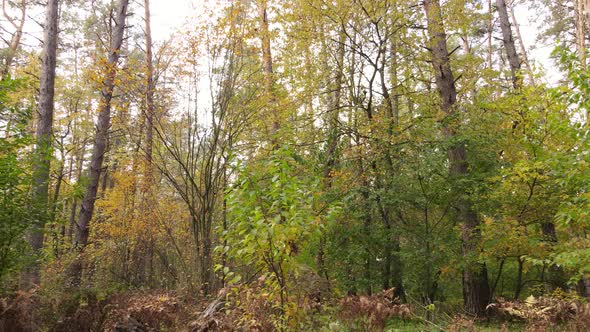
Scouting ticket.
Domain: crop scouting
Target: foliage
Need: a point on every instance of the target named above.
(571, 168)
(273, 213)
(15, 215)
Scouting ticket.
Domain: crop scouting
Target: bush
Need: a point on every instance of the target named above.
(373, 312)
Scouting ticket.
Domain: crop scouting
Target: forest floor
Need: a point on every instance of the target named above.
(140, 311)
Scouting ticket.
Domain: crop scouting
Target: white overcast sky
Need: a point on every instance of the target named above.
(170, 15)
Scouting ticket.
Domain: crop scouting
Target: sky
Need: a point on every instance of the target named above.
(169, 16)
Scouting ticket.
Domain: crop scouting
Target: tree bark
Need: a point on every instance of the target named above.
(100, 141)
(149, 97)
(53, 211)
(525, 57)
(490, 34)
(580, 31)
(519, 282)
(144, 251)
(586, 282)
(509, 45)
(367, 223)
(476, 291)
(394, 263)
(332, 143)
(268, 69)
(43, 134)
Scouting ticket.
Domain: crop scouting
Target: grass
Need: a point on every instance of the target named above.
(330, 324)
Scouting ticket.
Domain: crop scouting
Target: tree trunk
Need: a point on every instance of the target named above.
(393, 247)
(498, 276)
(581, 10)
(368, 255)
(149, 138)
(476, 291)
(144, 250)
(490, 34)
(43, 135)
(586, 283)
(525, 57)
(518, 287)
(100, 141)
(268, 70)
(53, 204)
(580, 31)
(509, 46)
(206, 265)
(149, 98)
(556, 275)
(332, 143)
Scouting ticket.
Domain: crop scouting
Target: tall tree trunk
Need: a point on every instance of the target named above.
(53, 212)
(367, 222)
(100, 140)
(149, 97)
(145, 248)
(394, 264)
(580, 11)
(332, 142)
(268, 69)
(586, 283)
(105, 171)
(509, 46)
(490, 33)
(58, 181)
(476, 291)
(43, 134)
(519, 282)
(525, 57)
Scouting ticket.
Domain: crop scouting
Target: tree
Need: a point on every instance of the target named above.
(270, 219)
(476, 291)
(580, 13)
(43, 137)
(509, 45)
(149, 97)
(100, 139)
(267, 67)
